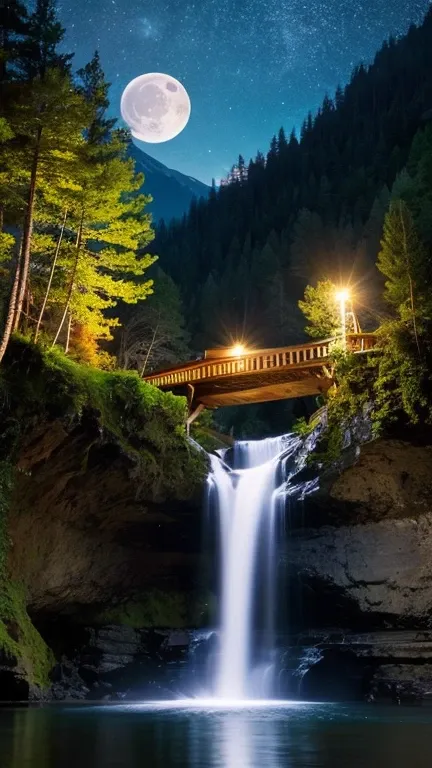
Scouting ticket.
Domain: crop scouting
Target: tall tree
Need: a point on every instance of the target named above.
(93, 88)
(46, 116)
(49, 128)
(404, 263)
(105, 261)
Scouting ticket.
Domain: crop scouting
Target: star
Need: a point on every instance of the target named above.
(244, 63)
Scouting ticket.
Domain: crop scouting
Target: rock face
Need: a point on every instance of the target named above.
(100, 497)
(391, 479)
(375, 554)
(388, 667)
(360, 559)
(118, 663)
(85, 530)
(385, 568)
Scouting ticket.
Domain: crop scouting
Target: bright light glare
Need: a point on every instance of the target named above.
(238, 350)
(343, 295)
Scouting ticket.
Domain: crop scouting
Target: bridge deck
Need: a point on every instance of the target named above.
(258, 376)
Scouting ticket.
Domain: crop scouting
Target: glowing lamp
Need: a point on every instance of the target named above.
(238, 350)
(343, 295)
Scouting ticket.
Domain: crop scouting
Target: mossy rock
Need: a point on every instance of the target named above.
(20, 641)
(161, 609)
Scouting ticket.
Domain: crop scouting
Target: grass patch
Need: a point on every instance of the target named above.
(19, 638)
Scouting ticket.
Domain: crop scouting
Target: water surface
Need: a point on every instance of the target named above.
(144, 736)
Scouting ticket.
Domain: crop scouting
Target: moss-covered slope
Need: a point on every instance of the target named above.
(39, 386)
(91, 464)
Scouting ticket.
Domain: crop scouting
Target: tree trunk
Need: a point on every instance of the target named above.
(11, 309)
(53, 266)
(68, 333)
(149, 350)
(123, 355)
(27, 233)
(26, 311)
(72, 280)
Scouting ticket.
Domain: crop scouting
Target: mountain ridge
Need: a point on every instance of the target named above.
(172, 191)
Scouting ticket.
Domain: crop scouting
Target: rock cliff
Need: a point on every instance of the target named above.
(94, 466)
(359, 557)
(371, 539)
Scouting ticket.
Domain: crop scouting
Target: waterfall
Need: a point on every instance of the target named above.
(247, 498)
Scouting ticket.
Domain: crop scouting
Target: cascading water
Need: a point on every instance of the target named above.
(247, 499)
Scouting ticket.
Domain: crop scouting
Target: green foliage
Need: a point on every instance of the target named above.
(100, 263)
(404, 263)
(6, 132)
(403, 384)
(6, 484)
(302, 427)
(348, 399)
(404, 366)
(19, 638)
(160, 608)
(148, 423)
(321, 309)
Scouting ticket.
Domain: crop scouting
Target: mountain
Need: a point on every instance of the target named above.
(312, 208)
(171, 190)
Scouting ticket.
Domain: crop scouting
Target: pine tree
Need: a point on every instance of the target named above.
(39, 51)
(111, 229)
(13, 27)
(49, 126)
(281, 141)
(242, 171)
(211, 332)
(94, 89)
(46, 117)
(404, 263)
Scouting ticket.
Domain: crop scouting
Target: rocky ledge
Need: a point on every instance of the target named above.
(383, 667)
(367, 554)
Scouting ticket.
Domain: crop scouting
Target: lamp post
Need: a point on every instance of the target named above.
(238, 350)
(342, 297)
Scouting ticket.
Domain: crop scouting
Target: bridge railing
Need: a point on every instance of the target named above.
(303, 354)
(262, 360)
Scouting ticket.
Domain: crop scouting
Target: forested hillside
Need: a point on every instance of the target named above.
(313, 207)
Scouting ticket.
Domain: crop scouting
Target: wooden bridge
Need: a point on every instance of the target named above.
(224, 377)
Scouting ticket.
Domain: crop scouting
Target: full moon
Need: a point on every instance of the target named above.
(156, 107)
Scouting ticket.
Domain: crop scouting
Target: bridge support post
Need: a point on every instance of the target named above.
(194, 412)
(192, 416)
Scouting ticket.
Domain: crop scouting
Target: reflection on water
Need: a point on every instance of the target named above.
(290, 736)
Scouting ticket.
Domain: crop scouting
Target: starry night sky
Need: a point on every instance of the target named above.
(249, 66)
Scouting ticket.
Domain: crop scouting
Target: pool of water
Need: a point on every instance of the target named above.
(297, 735)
